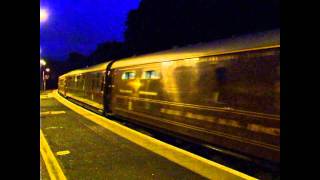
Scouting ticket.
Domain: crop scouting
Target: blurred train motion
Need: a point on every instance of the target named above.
(225, 93)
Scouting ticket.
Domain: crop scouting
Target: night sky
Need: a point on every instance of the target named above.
(80, 25)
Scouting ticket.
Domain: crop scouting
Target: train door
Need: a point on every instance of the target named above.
(108, 90)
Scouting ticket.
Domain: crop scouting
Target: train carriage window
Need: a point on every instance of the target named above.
(128, 75)
(152, 74)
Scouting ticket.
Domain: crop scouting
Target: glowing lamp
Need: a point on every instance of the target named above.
(43, 15)
(43, 62)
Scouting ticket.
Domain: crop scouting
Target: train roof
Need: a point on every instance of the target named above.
(98, 67)
(252, 41)
(234, 44)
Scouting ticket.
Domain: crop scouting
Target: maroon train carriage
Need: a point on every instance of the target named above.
(225, 93)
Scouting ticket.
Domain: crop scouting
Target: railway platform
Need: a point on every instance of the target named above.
(79, 144)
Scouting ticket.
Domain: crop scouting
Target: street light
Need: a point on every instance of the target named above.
(43, 15)
(45, 78)
(42, 62)
(42, 71)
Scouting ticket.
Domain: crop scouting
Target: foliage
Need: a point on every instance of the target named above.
(158, 25)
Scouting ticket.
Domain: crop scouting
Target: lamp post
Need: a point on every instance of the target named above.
(45, 78)
(42, 64)
(43, 18)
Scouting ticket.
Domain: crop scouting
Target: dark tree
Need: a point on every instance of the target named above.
(158, 25)
(77, 60)
(108, 51)
(75, 57)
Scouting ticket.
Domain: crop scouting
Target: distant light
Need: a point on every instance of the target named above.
(48, 69)
(43, 15)
(43, 62)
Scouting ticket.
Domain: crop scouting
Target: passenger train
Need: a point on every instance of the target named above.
(225, 93)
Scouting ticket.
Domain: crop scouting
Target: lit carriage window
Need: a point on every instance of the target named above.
(128, 75)
(150, 75)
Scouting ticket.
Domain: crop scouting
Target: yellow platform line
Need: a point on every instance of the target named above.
(52, 165)
(52, 112)
(195, 163)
